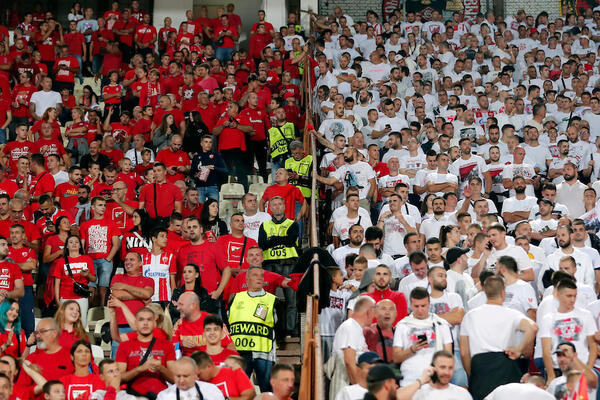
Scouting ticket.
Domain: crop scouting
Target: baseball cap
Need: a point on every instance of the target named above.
(532, 31)
(454, 254)
(547, 201)
(380, 372)
(564, 343)
(369, 357)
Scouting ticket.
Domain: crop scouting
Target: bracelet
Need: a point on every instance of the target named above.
(420, 383)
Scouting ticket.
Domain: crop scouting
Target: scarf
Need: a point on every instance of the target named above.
(427, 323)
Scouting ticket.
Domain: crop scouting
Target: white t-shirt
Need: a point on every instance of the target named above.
(410, 282)
(357, 174)
(209, 391)
(512, 391)
(60, 177)
(466, 169)
(431, 226)
(252, 224)
(452, 392)
(574, 326)
(435, 178)
(585, 270)
(406, 336)
(352, 392)
(349, 335)
(375, 72)
(490, 328)
(44, 100)
(330, 128)
(522, 259)
(339, 255)
(444, 304)
(341, 226)
(512, 204)
(390, 182)
(524, 170)
(332, 317)
(520, 296)
(394, 232)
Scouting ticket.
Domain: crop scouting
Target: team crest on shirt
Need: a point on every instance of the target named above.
(569, 329)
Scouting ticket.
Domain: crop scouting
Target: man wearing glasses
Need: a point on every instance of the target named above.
(52, 360)
(32, 234)
(119, 209)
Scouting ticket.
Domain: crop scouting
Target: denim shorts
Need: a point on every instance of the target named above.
(104, 270)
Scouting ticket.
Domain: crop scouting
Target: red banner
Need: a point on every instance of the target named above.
(471, 10)
(388, 7)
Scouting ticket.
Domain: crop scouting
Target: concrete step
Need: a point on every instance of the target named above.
(289, 349)
(296, 360)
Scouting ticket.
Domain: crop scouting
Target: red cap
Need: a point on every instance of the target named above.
(532, 31)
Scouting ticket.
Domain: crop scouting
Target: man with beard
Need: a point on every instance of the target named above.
(52, 360)
(356, 236)
(519, 168)
(431, 226)
(440, 387)
(467, 165)
(494, 140)
(448, 306)
(497, 235)
(555, 169)
(585, 270)
(419, 336)
(568, 360)
(83, 208)
(395, 226)
(381, 280)
(66, 193)
(517, 209)
(570, 192)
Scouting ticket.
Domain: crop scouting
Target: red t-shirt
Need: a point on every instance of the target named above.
(37, 127)
(52, 366)
(173, 159)
(46, 47)
(189, 98)
(112, 89)
(67, 197)
(175, 242)
(98, 234)
(65, 75)
(178, 116)
(115, 155)
(194, 330)
(185, 210)
(121, 25)
(43, 228)
(78, 265)
(9, 272)
(171, 84)
(75, 41)
(31, 231)
(81, 387)
(132, 180)
(133, 241)
(145, 33)
(119, 216)
(17, 348)
(233, 138)
(143, 127)
(131, 353)
(232, 247)
(232, 382)
(21, 255)
(209, 116)
(271, 282)
(8, 187)
(67, 339)
(290, 193)
(397, 297)
(259, 119)
(208, 257)
(219, 359)
(227, 40)
(208, 84)
(133, 305)
(76, 125)
(53, 146)
(24, 93)
(14, 150)
(166, 196)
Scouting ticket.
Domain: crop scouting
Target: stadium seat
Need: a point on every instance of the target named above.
(258, 189)
(226, 209)
(255, 179)
(231, 191)
(95, 315)
(97, 353)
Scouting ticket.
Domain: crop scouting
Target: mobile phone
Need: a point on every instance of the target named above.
(489, 245)
(434, 377)
(422, 338)
(388, 126)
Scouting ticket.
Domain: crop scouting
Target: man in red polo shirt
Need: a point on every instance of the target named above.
(16, 148)
(232, 383)
(191, 204)
(176, 160)
(160, 198)
(187, 332)
(231, 130)
(235, 246)
(42, 182)
(213, 266)
(32, 234)
(6, 185)
(151, 376)
(290, 193)
(119, 209)
(145, 36)
(26, 259)
(174, 80)
(207, 111)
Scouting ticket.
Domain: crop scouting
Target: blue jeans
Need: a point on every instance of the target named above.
(3, 133)
(223, 54)
(262, 369)
(460, 375)
(97, 63)
(80, 60)
(104, 270)
(27, 317)
(207, 192)
(115, 345)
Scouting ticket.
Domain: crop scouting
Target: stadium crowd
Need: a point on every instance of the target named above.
(157, 176)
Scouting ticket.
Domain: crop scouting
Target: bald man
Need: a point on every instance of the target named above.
(186, 386)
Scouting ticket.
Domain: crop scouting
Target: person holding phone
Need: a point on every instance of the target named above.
(419, 336)
(439, 385)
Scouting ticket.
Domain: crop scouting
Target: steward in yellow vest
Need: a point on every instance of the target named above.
(280, 136)
(299, 166)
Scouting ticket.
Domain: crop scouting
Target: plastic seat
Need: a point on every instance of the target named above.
(95, 315)
(255, 179)
(97, 353)
(258, 189)
(231, 191)
(226, 209)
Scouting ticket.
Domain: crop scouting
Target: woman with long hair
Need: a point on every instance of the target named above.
(76, 133)
(427, 206)
(164, 132)
(82, 272)
(53, 250)
(85, 381)
(138, 238)
(192, 282)
(88, 98)
(449, 237)
(195, 129)
(12, 336)
(214, 227)
(71, 328)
